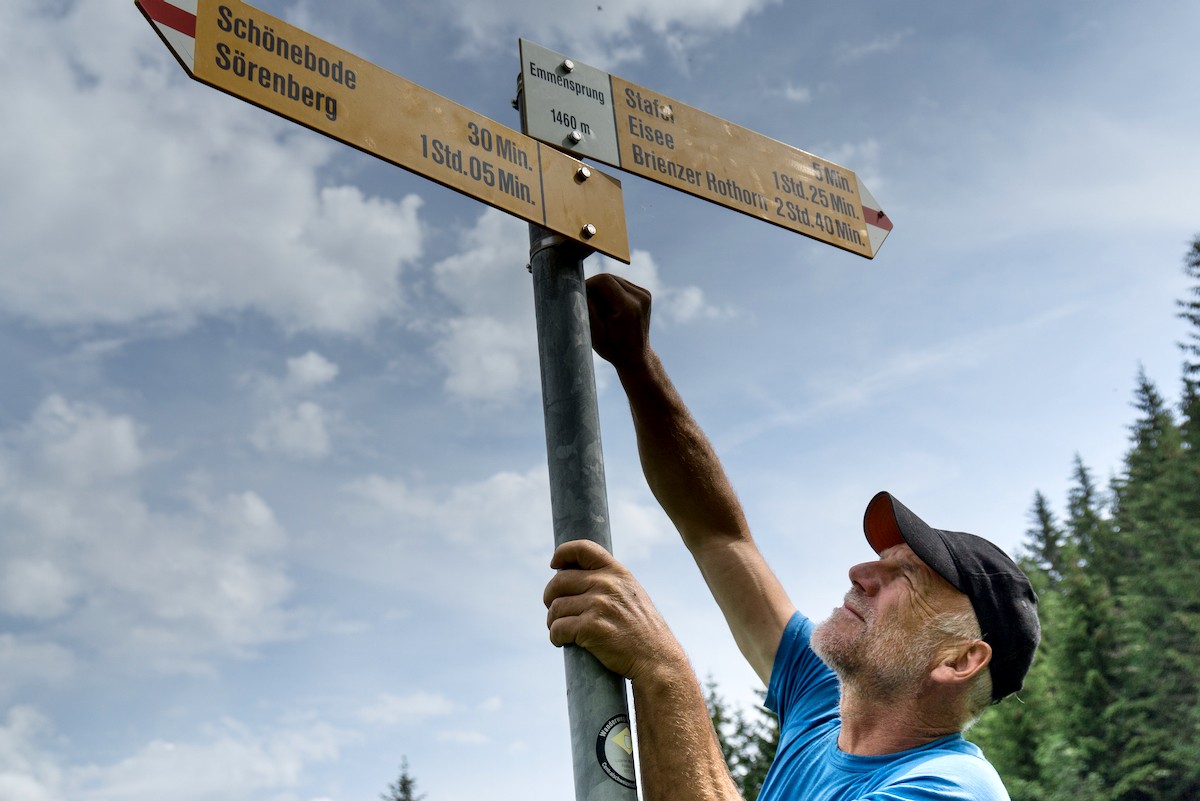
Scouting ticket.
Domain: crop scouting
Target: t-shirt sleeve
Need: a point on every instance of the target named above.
(803, 690)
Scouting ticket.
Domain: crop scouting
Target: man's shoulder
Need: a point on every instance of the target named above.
(954, 768)
(815, 769)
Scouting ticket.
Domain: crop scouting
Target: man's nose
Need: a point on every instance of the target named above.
(867, 577)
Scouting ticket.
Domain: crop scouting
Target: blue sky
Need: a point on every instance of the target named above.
(273, 496)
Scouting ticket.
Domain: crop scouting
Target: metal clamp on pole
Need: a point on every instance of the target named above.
(550, 241)
(562, 247)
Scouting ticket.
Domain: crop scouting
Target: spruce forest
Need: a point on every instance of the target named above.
(1110, 710)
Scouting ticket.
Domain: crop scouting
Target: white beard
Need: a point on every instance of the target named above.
(883, 662)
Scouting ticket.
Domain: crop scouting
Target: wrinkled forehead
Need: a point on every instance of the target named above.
(903, 556)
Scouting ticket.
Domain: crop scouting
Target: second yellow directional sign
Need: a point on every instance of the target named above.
(591, 113)
(265, 61)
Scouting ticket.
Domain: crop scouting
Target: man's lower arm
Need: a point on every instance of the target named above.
(680, 757)
(680, 464)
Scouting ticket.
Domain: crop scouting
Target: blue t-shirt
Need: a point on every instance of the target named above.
(809, 766)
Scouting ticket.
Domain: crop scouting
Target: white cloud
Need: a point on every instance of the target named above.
(406, 710)
(311, 370)
(27, 772)
(299, 432)
(849, 387)
(82, 445)
(671, 305)
(637, 526)
(463, 737)
(179, 201)
(600, 32)
(233, 762)
(35, 589)
(796, 94)
(878, 45)
(120, 577)
(25, 661)
(291, 428)
(227, 760)
(508, 511)
(1068, 183)
(487, 359)
(489, 351)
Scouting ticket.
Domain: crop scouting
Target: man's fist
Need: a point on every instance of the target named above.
(620, 319)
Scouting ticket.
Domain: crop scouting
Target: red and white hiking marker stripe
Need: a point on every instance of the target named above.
(878, 224)
(175, 21)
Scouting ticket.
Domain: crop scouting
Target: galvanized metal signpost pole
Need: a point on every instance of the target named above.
(601, 736)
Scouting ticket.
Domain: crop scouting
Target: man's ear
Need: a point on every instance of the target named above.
(962, 662)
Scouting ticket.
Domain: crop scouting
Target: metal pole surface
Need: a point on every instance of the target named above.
(601, 737)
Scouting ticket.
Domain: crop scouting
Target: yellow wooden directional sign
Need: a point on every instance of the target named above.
(591, 113)
(263, 60)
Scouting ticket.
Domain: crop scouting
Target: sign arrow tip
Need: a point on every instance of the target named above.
(175, 23)
(879, 225)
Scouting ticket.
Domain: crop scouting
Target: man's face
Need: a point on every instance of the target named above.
(882, 639)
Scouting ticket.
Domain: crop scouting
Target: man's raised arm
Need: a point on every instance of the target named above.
(685, 475)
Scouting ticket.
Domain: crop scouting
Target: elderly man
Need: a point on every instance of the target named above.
(872, 702)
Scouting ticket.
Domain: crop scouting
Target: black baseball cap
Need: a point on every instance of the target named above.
(1003, 599)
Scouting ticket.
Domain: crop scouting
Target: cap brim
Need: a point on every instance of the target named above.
(879, 523)
(888, 523)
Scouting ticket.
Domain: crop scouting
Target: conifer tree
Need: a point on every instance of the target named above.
(1084, 648)
(404, 788)
(1174, 567)
(1022, 736)
(1190, 311)
(1186, 750)
(1012, 733)
(748, 742)
(1152, 602)
(1045, 542)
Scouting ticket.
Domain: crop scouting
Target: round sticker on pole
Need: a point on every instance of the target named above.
(614, 750)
